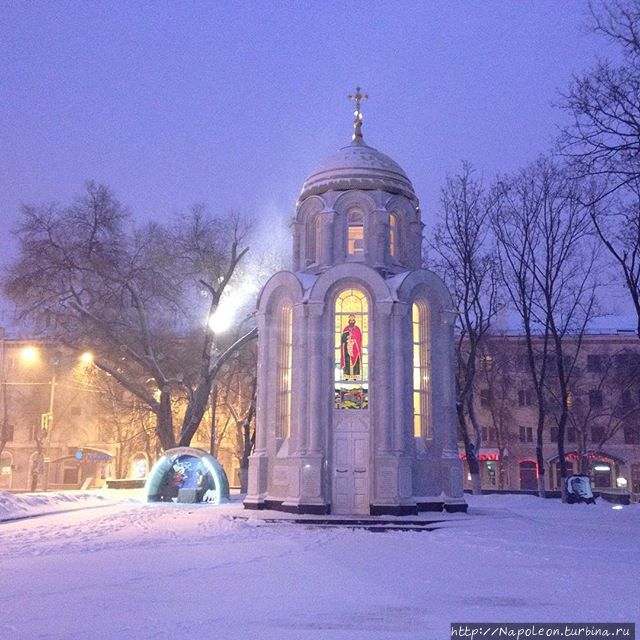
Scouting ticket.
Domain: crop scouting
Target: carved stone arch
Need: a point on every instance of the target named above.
(426, 284)
(308, 216)
(357, 273)
(353, 208)
(351, 199)
(279, 284)
(408, 232)
(404, 206)
(310, 207)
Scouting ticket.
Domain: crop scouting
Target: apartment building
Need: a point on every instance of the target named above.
(602, 435)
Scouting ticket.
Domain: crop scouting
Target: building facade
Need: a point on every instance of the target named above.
(356, 389)
(50, 422)
(602, 435)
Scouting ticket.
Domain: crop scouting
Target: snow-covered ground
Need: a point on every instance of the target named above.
(130, 570)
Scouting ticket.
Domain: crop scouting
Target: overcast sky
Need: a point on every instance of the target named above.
(234, 103)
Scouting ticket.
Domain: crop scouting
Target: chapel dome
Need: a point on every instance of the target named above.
(358, 166)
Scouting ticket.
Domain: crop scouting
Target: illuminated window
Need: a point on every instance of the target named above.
(351, 372)
(355, 238)
(393, 235)
(421, 417)
(285, 353)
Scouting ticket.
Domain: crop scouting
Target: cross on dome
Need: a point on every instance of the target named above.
(357, 97)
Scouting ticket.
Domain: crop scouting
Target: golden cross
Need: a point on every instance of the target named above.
(357, 97)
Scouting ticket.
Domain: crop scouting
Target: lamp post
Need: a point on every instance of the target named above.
(4, 424)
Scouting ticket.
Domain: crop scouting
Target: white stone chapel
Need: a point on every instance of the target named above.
(356, 389)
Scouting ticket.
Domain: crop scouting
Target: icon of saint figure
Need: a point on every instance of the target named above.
(351, 349)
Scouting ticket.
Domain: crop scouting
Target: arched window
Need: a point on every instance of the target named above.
(317, 232)
(393, 235)
(421, 395)
(285, 354)
(351, 375)
(314, 246)
(355, 233)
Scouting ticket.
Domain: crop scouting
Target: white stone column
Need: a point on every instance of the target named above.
(297, 229)
(262, 403)
(317, 384)
(378, 246)
(301, 375)
(382, 378)
(326, 237)
(399, 378)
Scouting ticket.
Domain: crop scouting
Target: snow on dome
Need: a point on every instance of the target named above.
(358, 166)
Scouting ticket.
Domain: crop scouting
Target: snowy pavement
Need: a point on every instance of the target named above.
(131, 570)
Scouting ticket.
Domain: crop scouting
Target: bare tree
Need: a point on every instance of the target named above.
(464, 246)
(602, 139)
(126, 422)
(549, 263)
(603, 136)
(91, 279)
(603, 402)
(235, 409)
(496, 377)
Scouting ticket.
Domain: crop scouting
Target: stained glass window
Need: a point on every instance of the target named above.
(421, 408)
(355, 238)
(351, 371)
(285, 353)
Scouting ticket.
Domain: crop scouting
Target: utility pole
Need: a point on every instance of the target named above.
(4, 425)
(46, 424)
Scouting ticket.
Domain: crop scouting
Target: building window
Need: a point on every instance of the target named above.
(631, 435)
(491, 473)
(594, 363)
(421, 417)
(554, 434)
(489, 434)
(601, 475)
(355, 233)
(635, 477)
(526, 434)
(597, 434)
(285, 354)
(628, 362)
(524, 397)
(522, 363)
(485, 398)
(6, 432)
(595, 399)
(351, 371)
(393, 235)
(572, 435)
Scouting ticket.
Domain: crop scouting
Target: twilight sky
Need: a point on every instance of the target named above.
(233, 103)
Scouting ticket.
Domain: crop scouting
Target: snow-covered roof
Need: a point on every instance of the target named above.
(358, 166)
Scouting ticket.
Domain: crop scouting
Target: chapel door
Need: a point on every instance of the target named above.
(350, 424)
(350, 471)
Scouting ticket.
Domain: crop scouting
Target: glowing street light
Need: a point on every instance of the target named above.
(86, 358)
(29, 355)
(222, 319)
